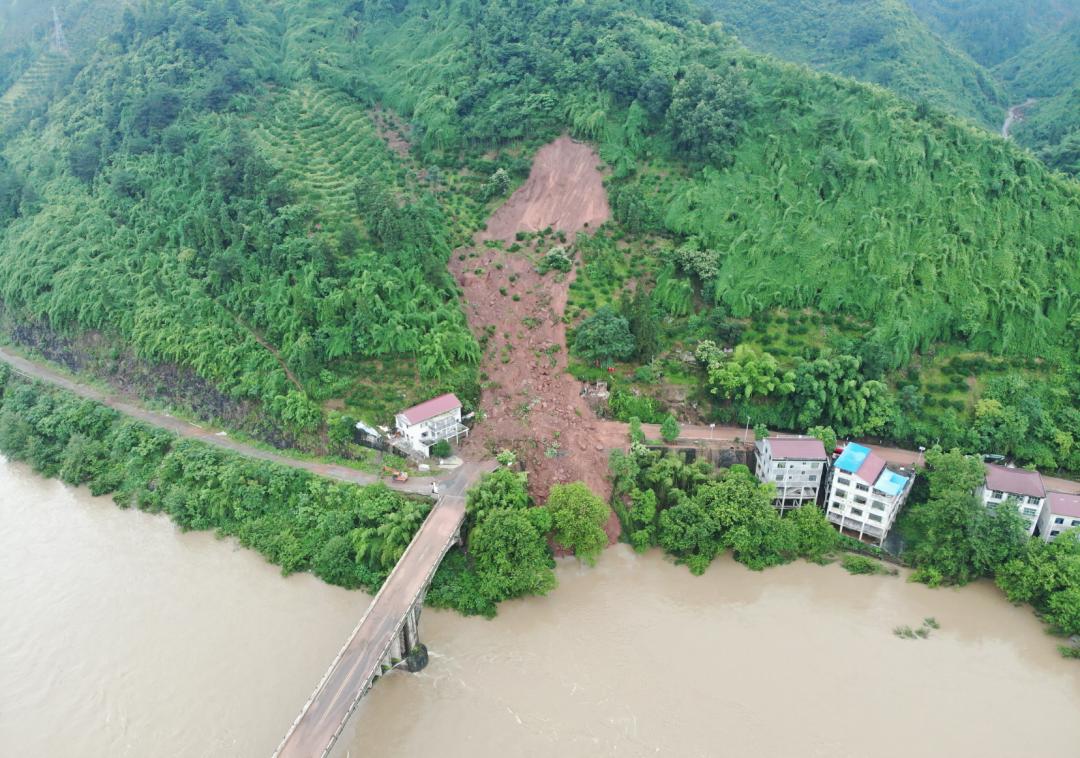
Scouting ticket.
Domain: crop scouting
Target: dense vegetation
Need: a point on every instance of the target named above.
(506, 551)
(695, 513)
(348, 535)
(881, 41)
(213, 197)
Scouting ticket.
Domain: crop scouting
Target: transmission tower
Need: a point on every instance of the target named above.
(58, 34)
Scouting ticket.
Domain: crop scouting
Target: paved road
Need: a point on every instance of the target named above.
(130, 407)
(325, 714)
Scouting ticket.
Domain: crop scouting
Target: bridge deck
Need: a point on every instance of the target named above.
(325, 714)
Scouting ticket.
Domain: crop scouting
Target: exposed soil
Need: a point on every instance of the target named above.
(531, 404)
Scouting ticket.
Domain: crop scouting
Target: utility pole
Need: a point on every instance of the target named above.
(58, 34)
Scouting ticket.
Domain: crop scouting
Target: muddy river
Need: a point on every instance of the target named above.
(121, 636)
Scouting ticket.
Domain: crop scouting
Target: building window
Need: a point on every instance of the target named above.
(856, 512)
(997, 494)
(860, 500)
(1029, 512)
(877, 505)
(1076, 522)
(841, 480)
(781, 465)
(838, 506)
(841, 493)
(779, 477)
(875, 517)
(862, 488)
(1059, 520)
(1034, 500)
(815, 464)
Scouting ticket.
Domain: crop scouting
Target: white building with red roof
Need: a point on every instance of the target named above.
(865, 495)
(1025, 488)
(1062, 512)
(432, 421)
(796, 465)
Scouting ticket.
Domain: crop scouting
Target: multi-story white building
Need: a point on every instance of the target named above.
(423, 425)
(1023, 486)
(1062, 512)
(795, 465)
(865, 495)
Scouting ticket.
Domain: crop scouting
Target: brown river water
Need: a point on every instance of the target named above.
(121, 636)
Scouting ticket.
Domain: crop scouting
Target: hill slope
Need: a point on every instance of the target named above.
(216, 193)
(1049, 71)
(881, 41)
(992, 31)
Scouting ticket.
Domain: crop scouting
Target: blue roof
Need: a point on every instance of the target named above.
(852, 457)
(891, 483)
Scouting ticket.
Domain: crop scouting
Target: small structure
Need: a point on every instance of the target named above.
(423, 425)
(1062, 512)
(796, 465)
(369, 436)
(865, 496)
(1004, 483)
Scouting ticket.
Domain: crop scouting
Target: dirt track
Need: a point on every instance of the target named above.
(530, 402)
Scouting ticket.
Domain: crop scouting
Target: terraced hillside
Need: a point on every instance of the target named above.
(33, 89)
(322, 141)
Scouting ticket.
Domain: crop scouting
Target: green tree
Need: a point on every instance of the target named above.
(579, 517)
(826, 435)
(670, 429)
(441, 449)
(510, 555)
(816, 537)
(502, 488)
(1048, 577)
(604, 337)
(707, 111)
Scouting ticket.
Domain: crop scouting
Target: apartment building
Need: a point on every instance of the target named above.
(1024, 487)
(865, 495)
(796, 465)
(1062, 512)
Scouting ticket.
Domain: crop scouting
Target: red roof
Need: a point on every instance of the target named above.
(871, 468)
(797, 448)
(1063, 505)
(1014, 481)
(418, 414)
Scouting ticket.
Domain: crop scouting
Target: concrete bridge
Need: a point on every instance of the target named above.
(388, 634)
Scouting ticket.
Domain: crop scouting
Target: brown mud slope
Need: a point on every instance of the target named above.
(565, 191)
(531, 404)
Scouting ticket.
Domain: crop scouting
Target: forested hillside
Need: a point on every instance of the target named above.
(992, 31)
(765, 187)
(205, 193)
(1048, 71)
(879, 41)
(223, 188)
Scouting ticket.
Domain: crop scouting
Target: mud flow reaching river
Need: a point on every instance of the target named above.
(121, 636)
